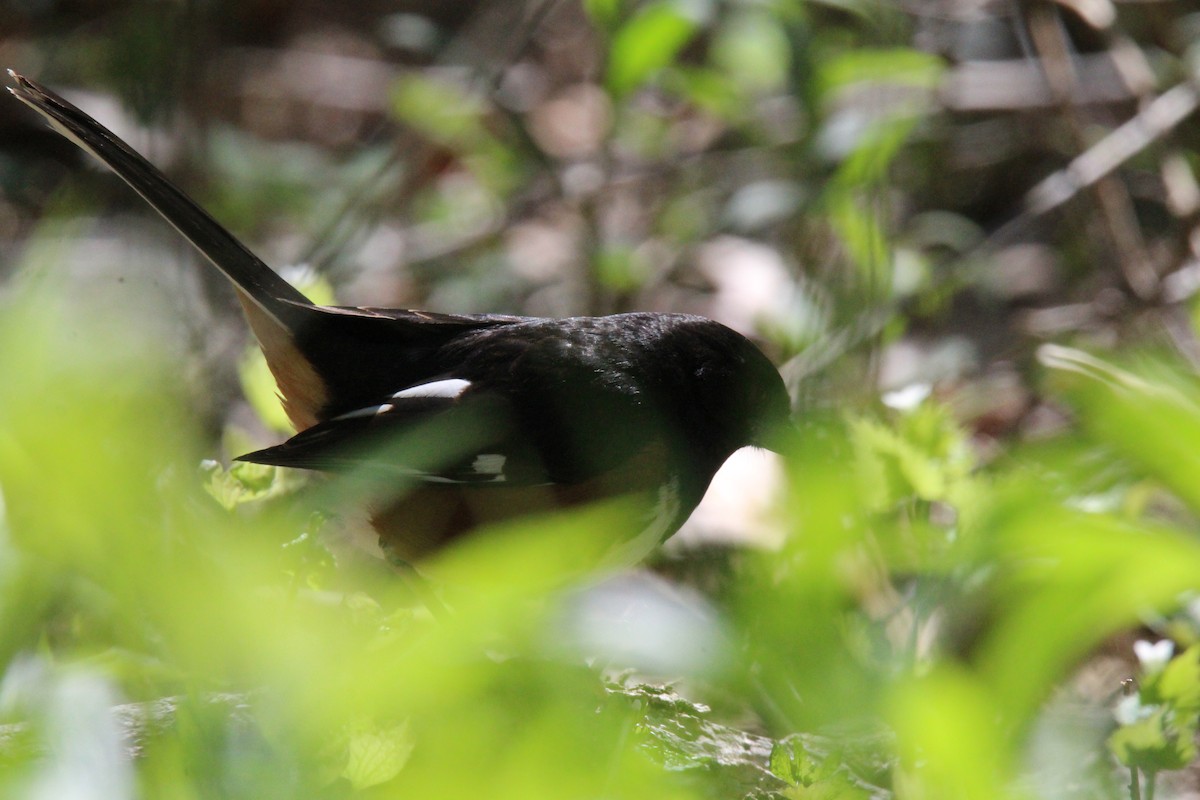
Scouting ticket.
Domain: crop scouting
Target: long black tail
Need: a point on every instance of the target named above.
(258, 281)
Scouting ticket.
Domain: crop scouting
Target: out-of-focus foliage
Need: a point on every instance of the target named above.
(123, 579)
(992, 497)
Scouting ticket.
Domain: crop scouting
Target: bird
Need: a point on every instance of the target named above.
(471, 419)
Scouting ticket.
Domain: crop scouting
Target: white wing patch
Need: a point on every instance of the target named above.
(489, 464)
(486, 468)
(448, 389)
(369, 411)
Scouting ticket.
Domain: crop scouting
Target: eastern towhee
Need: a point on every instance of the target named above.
(517, 414)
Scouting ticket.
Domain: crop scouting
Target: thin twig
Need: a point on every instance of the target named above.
(1152, 123)
(1112, 197)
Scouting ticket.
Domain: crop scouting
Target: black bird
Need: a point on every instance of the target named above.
(513, 414)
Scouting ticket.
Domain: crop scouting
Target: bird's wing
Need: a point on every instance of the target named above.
(438, 432)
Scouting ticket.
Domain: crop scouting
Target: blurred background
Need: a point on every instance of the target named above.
(936, 215)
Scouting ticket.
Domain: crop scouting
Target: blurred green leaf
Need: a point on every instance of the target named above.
(794, 606)
(709, 90)
(866, 133)
(444, 111)
(810, 777)
(1065, 580)
(255, 182)
(896, 67)
(450, 114)
(833, 788)
(857, 225)
(620, 268)
(1178, 684)
(924, 455)
(875, 145)
(244, 482)
(753, 49)
(650, 40)
(604, 13)
(376, 754)
(1155, 743)
(1148, 414)
(951, 742)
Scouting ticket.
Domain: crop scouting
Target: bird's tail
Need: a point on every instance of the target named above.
(258, 282)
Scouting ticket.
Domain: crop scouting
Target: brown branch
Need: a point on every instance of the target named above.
(1111, 195)
(1153, 122)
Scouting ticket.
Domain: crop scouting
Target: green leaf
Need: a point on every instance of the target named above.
(1065, 580)
(1178, 685)
(1155, 743)
(837, 787)
(810, 777)
(245, 483)
(858, 227)
(947, 725)
(651, 40)
(442, 110)
(708, 89)
(620, 269)
(897, 67)
(603, 13)
(876, 145)
(1148, 412)
(923, 455)
(867, 136)
(375, 755)
(790, 761)
(451, 114)
(752, 48)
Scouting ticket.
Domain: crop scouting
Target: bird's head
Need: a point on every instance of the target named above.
(738, 393)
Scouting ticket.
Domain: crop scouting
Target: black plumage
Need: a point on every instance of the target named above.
(518, 414)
